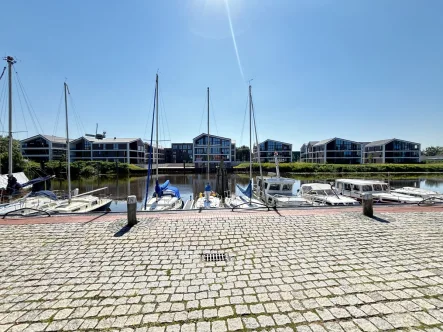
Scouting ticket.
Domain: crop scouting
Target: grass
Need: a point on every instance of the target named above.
(310, 168)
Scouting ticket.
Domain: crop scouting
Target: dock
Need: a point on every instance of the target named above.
(317, 269)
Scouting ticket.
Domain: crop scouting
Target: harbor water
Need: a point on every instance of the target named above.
(190, 185)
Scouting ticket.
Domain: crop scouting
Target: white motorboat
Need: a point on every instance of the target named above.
(324, 194)
(418, 192)
(165, 197)
(277, 191)
(380, 191)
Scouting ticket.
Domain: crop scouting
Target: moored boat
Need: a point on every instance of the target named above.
(380, 191)
(324, 194)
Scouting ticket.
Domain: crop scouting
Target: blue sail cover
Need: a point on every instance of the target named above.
(173, 191)
(44, 193)
(166, 189)
(248, 191)
(37, 180)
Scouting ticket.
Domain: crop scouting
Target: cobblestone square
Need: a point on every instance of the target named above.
(313, 272)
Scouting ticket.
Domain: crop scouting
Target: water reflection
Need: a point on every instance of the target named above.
(190, 185)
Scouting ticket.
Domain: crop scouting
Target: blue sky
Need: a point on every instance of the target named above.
(363, 70)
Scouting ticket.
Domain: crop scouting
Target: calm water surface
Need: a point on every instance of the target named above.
(191, 185)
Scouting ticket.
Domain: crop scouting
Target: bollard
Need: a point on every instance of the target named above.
(367, 205)
(132, 210)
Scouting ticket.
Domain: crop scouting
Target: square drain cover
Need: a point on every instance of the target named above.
(215, 257)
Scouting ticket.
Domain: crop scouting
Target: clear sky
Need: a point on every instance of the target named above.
(357, 69)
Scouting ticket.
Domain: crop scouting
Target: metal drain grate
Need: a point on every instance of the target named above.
(215, 257)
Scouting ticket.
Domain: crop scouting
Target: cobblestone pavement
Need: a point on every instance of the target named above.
(337, 272)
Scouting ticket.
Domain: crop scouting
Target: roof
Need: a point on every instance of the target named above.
(312, 142)
(203, 134)
(273, 140)
(386, 141)
(50, 138)
(360, 182)
(107, 140)
(325, 141)
(317, 186)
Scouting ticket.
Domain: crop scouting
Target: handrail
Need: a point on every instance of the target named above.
(24, 215)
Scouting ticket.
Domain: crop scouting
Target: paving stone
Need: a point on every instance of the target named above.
(219, 326)
(296, 267)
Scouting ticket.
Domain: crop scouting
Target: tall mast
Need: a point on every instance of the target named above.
(156, 120)
(250, 139)
(68, 148)
(208, 137)
(250, 133)
(10, 60)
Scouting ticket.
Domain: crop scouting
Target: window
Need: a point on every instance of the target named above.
(366, 188)
(287, 187)
(377, 187)
(274, 187)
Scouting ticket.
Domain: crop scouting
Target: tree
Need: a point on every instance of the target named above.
(18, 163)
(242, 153)
(433, 151)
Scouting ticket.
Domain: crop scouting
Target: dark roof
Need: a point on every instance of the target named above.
(386, 141)
(380, 142)
(50, 138)
(273, 140)
(108, 140)
(324, 141)
(203, 134)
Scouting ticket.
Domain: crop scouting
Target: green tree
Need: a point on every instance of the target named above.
(18, 163)
(433, 151)
(242, 153)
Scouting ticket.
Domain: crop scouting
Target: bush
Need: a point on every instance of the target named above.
(344, 168)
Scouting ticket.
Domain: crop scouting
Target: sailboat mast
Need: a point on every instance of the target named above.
(10, 61)
(208, 137)
(250, 134)
(68, 148)
(156, 120)
(250, 139)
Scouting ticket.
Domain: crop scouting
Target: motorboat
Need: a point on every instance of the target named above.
(325, 194)
(380, 191)
(418, 192)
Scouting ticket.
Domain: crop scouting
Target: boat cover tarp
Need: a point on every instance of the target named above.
(248, 191)
(166, 189)
(44, 193)
(172, 191)
(36, 180)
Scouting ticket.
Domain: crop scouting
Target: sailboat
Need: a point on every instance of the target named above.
(208, 200)
(246, 201)
(79, 203)
(34, 201)
(165, 197)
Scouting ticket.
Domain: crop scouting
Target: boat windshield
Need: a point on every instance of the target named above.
(274, 187)
(385, 187)
(366, 188)
(377, 187)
